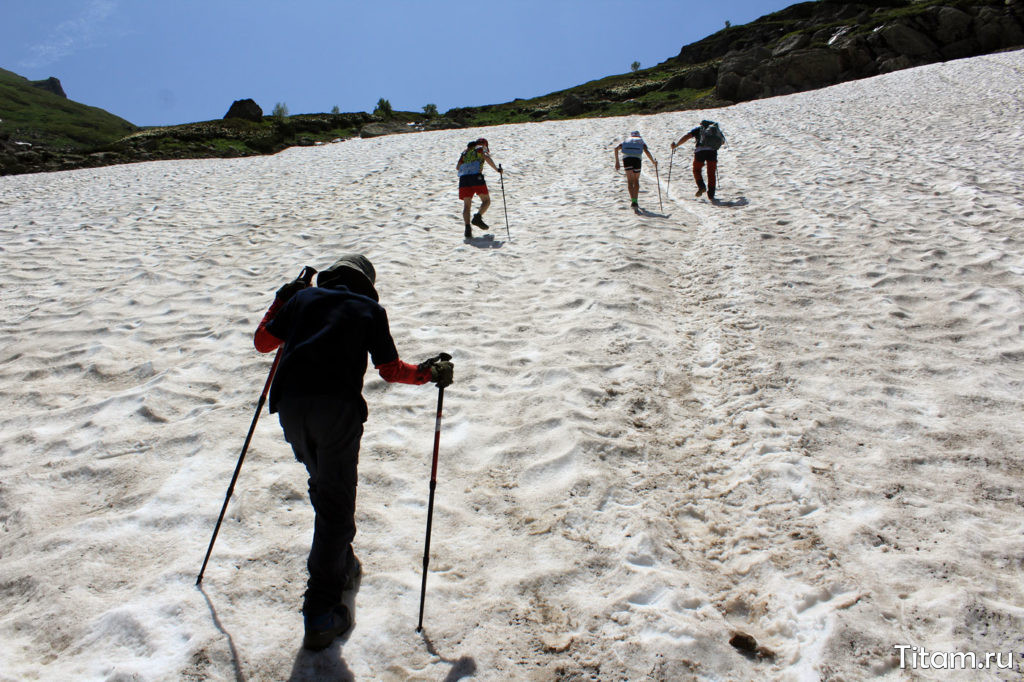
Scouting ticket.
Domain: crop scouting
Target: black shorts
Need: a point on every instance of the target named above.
(631, 163)
(706, 155)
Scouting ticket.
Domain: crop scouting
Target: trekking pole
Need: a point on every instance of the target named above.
(501, 175)
(306, 276)
(430, 503)
(668, 185)
(657, 176)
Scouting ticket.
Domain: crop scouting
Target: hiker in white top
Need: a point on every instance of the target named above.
(633, 148)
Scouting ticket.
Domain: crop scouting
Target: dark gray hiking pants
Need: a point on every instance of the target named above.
(324, 434)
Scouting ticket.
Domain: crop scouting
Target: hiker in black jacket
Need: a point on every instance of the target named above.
(709, 138)
(327, 332)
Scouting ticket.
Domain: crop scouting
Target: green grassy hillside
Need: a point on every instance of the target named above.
(32, 114)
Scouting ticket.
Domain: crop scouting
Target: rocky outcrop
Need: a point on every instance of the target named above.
(379, 128)
(805, 46)
(51, 84)
(872, 41)
(573, 105)
(696, 78)
(245, 109)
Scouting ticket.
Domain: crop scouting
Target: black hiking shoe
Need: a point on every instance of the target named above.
(469, 232)
(700, 191)
(711, 194)
(323, 629)
(636, 209)
(479, 222)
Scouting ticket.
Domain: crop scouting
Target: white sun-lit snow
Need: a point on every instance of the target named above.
(798, 415)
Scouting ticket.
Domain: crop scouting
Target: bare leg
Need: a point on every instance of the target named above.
(633, 184)
(485, 202)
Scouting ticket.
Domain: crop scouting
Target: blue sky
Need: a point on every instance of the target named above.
(161, 63)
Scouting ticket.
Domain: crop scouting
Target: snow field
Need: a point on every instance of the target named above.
(795, 415)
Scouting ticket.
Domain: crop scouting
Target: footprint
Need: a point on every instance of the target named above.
(640, 559)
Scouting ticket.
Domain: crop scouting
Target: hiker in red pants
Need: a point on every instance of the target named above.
(709, 138)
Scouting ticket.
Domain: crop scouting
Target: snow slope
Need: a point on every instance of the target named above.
(796, 415)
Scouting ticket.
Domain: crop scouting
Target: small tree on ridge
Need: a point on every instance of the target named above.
(383, 108)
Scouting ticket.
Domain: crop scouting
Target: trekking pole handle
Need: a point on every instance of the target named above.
(440, 357)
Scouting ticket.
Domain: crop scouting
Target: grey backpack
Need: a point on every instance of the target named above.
(711, 136)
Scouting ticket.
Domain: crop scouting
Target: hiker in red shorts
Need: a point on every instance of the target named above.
(471, 181)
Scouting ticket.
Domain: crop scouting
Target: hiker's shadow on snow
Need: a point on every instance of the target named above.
(486, 241)
(651, 214)
(463, 667)
(321, 665)
(732, 203)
